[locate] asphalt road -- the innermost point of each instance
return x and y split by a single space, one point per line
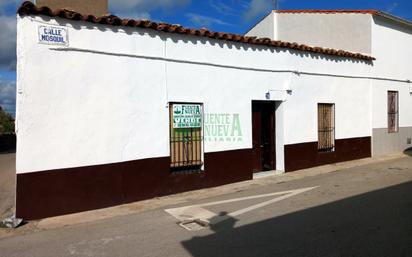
362 211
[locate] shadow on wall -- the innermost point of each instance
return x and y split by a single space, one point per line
201 40
377 223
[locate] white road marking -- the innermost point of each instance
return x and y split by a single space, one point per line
196 212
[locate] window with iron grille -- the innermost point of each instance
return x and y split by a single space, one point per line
186 137
326 127
393 111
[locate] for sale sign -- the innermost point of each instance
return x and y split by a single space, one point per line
187 116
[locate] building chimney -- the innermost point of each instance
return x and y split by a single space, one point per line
95 7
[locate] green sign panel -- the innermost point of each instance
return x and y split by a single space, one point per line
187 116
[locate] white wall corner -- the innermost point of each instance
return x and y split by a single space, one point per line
275 26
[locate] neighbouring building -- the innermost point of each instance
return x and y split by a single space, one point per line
111 110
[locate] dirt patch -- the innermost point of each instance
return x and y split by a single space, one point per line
7 184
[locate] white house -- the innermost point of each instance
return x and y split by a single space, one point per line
111 111
381 35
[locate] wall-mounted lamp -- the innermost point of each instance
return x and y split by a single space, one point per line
277 94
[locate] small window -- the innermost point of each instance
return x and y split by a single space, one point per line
186 140
326 127
393 112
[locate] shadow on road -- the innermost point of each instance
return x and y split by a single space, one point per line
377 223
216 224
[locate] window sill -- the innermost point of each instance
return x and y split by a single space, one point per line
186 170
326 151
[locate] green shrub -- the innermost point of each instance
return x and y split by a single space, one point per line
6 122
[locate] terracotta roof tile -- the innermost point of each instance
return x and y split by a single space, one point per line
28 8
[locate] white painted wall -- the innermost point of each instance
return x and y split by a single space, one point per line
391 45
265 28
352 108
104 99
346 31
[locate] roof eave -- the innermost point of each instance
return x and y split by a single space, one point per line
394 18
370 12
28 8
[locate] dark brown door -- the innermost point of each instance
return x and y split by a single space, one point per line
263 134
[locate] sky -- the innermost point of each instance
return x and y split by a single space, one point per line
235 16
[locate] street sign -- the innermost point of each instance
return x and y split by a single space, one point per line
52 35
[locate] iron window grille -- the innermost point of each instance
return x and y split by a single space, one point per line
186 146
326 127
393 111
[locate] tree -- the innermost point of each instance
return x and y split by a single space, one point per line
6 122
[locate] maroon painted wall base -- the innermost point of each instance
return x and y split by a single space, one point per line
306 155
57 192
